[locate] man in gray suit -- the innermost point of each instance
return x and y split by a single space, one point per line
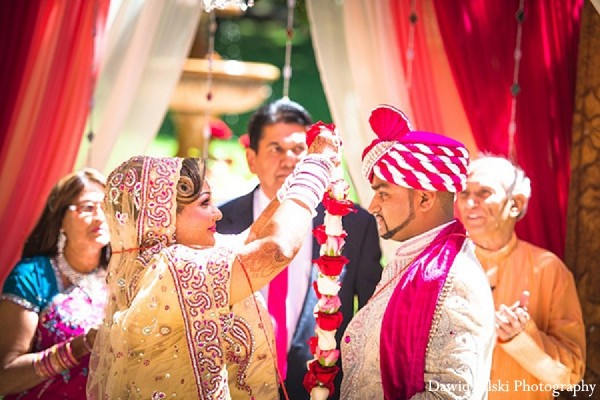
277 142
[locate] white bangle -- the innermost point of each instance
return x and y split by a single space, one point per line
321 159
318 159
308 182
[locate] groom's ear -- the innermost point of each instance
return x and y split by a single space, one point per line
425 199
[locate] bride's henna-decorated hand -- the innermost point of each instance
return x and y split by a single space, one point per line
328 143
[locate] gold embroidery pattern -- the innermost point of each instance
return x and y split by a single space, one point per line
240 350
203 276
448 284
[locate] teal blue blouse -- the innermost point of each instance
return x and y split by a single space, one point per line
31 284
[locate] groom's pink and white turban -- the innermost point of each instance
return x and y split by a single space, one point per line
413 159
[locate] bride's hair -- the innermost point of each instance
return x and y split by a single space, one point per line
190 182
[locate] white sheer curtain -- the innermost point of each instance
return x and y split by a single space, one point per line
343 32
147 44
358 72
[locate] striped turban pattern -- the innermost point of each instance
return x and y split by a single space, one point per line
413 159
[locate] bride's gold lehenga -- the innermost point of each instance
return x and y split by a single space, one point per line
169 331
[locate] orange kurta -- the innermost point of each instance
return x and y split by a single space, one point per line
551 350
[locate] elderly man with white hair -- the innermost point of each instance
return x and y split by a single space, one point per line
541 336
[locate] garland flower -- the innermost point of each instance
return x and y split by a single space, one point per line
322 369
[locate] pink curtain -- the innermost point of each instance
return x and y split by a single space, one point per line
47 77
479 37
434 100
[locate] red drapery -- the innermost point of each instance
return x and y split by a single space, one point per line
46 76
479 38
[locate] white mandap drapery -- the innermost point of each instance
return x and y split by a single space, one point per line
147 44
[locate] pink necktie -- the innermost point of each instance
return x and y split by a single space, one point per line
276 304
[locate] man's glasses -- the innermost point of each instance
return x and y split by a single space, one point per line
86 208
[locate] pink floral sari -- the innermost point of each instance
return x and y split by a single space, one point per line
69 314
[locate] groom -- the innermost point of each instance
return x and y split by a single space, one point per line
428 330
277 142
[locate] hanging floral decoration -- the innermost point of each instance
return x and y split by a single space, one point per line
322 369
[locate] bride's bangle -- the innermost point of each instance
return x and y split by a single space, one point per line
308 182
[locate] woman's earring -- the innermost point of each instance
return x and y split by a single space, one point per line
62 239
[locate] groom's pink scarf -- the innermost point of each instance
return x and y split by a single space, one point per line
408 317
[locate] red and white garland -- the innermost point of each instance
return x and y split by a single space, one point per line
322 369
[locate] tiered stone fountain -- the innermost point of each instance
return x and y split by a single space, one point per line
237 87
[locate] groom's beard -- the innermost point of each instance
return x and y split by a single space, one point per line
411 215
